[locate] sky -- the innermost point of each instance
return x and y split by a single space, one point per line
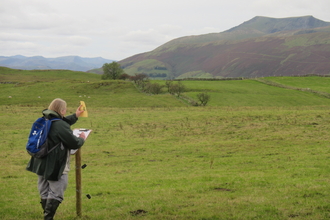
119 29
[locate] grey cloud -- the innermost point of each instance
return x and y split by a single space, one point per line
124 28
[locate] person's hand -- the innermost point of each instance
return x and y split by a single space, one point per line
82 135
79 110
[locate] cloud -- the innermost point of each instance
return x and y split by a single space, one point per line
18 48
116 30
35 15
79 40
149 36
290 8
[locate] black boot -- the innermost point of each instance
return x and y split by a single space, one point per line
43 203
50 209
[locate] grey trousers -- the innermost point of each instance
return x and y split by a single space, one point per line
52 189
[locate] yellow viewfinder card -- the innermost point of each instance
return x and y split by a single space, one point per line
83 107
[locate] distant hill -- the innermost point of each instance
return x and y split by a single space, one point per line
74 63
262 46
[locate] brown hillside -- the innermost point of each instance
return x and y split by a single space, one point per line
293 51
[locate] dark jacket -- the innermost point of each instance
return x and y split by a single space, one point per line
52 166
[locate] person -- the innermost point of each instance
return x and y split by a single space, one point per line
53 169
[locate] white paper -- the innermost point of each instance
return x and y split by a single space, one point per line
77 132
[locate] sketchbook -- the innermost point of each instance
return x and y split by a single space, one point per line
77 132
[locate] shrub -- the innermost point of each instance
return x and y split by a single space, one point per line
140 80
154 88
124 76
176 88
203 98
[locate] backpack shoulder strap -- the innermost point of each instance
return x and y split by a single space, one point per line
55 119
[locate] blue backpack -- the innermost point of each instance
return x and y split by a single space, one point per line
37 145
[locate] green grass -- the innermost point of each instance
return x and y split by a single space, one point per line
302 40
253 93
231 160
195 74
177 163
312 82
99 93
13 75
148 67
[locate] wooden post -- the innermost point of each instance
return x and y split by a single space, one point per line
78 182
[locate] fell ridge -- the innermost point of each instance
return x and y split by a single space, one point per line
259 47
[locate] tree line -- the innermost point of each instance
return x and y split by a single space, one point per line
114 71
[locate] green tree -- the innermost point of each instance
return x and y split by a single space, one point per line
176 88
168 85
154 88
112 70
140 80
203 98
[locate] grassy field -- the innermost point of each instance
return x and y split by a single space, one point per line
256 152
253 93
312 82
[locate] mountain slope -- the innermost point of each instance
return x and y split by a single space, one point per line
256 27
74 63
261 46
271 25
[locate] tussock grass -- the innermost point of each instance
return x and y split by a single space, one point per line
218 163
230 161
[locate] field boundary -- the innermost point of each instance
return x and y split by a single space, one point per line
272 83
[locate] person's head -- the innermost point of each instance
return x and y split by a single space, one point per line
58 105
